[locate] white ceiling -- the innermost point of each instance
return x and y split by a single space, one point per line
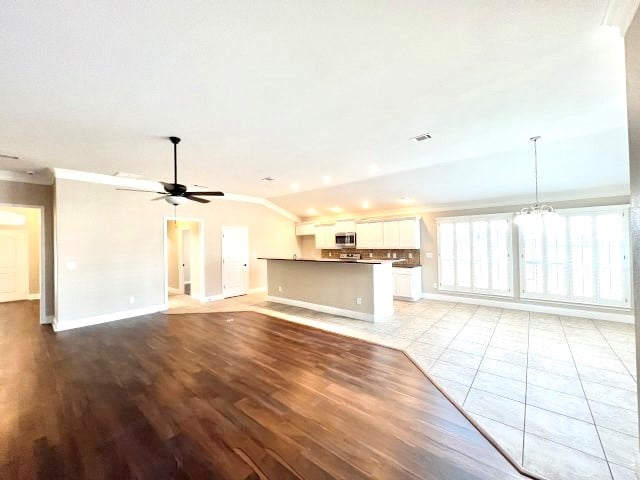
301 90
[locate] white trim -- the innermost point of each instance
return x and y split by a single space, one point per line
41 177
33 296
620 14
212 298
530 307
108 317
80 176
368 317
174 291
256 290
49 319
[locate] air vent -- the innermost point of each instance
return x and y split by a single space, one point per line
420 138
268 179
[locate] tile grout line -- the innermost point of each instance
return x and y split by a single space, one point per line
482 357
615 353
587 400
526 387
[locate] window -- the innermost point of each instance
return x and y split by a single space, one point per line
580 256
474 254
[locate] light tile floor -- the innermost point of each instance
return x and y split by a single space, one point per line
557 393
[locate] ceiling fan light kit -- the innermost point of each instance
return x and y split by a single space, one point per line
175 193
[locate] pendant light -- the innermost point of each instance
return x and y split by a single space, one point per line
535 212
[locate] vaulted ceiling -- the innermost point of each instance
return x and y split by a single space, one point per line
321 96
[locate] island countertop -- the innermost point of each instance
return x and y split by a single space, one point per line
372 261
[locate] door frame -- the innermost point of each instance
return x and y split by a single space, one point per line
43 281
165 222
222 227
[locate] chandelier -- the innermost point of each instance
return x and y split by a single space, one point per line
535 211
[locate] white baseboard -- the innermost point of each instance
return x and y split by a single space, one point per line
33 296
367 317
531 307
174 291
49 320
212 298
256 290
59 326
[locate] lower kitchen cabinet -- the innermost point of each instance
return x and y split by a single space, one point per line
407 283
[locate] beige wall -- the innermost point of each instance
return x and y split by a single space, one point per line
33 231
174 244
26 194
117 238
308 247
632 53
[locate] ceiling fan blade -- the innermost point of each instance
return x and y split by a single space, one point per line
196 199
208 194
159 198
134 190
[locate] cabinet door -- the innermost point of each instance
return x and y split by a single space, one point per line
330 236
345 226
362 235
391 234
320 232
376 235
409 233
403 286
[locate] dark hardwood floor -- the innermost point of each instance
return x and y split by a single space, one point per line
222 396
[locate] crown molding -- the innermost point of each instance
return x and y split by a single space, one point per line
41 177
123 182
620 13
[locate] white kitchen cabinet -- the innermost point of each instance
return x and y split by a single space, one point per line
325 236
409 233
391 234
376 235
345 226
363 237
407 283
305 229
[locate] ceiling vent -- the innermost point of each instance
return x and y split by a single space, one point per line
268 179
11 157
420 138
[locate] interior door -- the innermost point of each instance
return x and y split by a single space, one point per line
14 279
186 261
235 261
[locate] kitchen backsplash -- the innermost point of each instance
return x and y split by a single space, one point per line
378 254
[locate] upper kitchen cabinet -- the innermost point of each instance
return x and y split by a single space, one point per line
325 236
345 226
401 233
409 233
305 229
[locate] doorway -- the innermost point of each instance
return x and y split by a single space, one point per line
235 261
184 257
20 253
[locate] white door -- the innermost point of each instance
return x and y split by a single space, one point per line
186 262
235 261
14 268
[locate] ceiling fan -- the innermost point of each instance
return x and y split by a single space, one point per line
175 193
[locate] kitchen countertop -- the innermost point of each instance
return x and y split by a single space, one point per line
372 261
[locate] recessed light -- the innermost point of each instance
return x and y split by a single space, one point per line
268 179
421 137
366 204
327 180
312 211
336 209
295 186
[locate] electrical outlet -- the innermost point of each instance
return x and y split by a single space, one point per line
359 300
132 299
279 288
435 285
410 254
388 254
329 253
395 255
370 255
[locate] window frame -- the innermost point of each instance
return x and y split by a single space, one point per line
470 219
570 297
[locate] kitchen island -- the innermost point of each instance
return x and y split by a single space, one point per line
360 289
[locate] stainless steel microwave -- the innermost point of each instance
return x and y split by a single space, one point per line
346 239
